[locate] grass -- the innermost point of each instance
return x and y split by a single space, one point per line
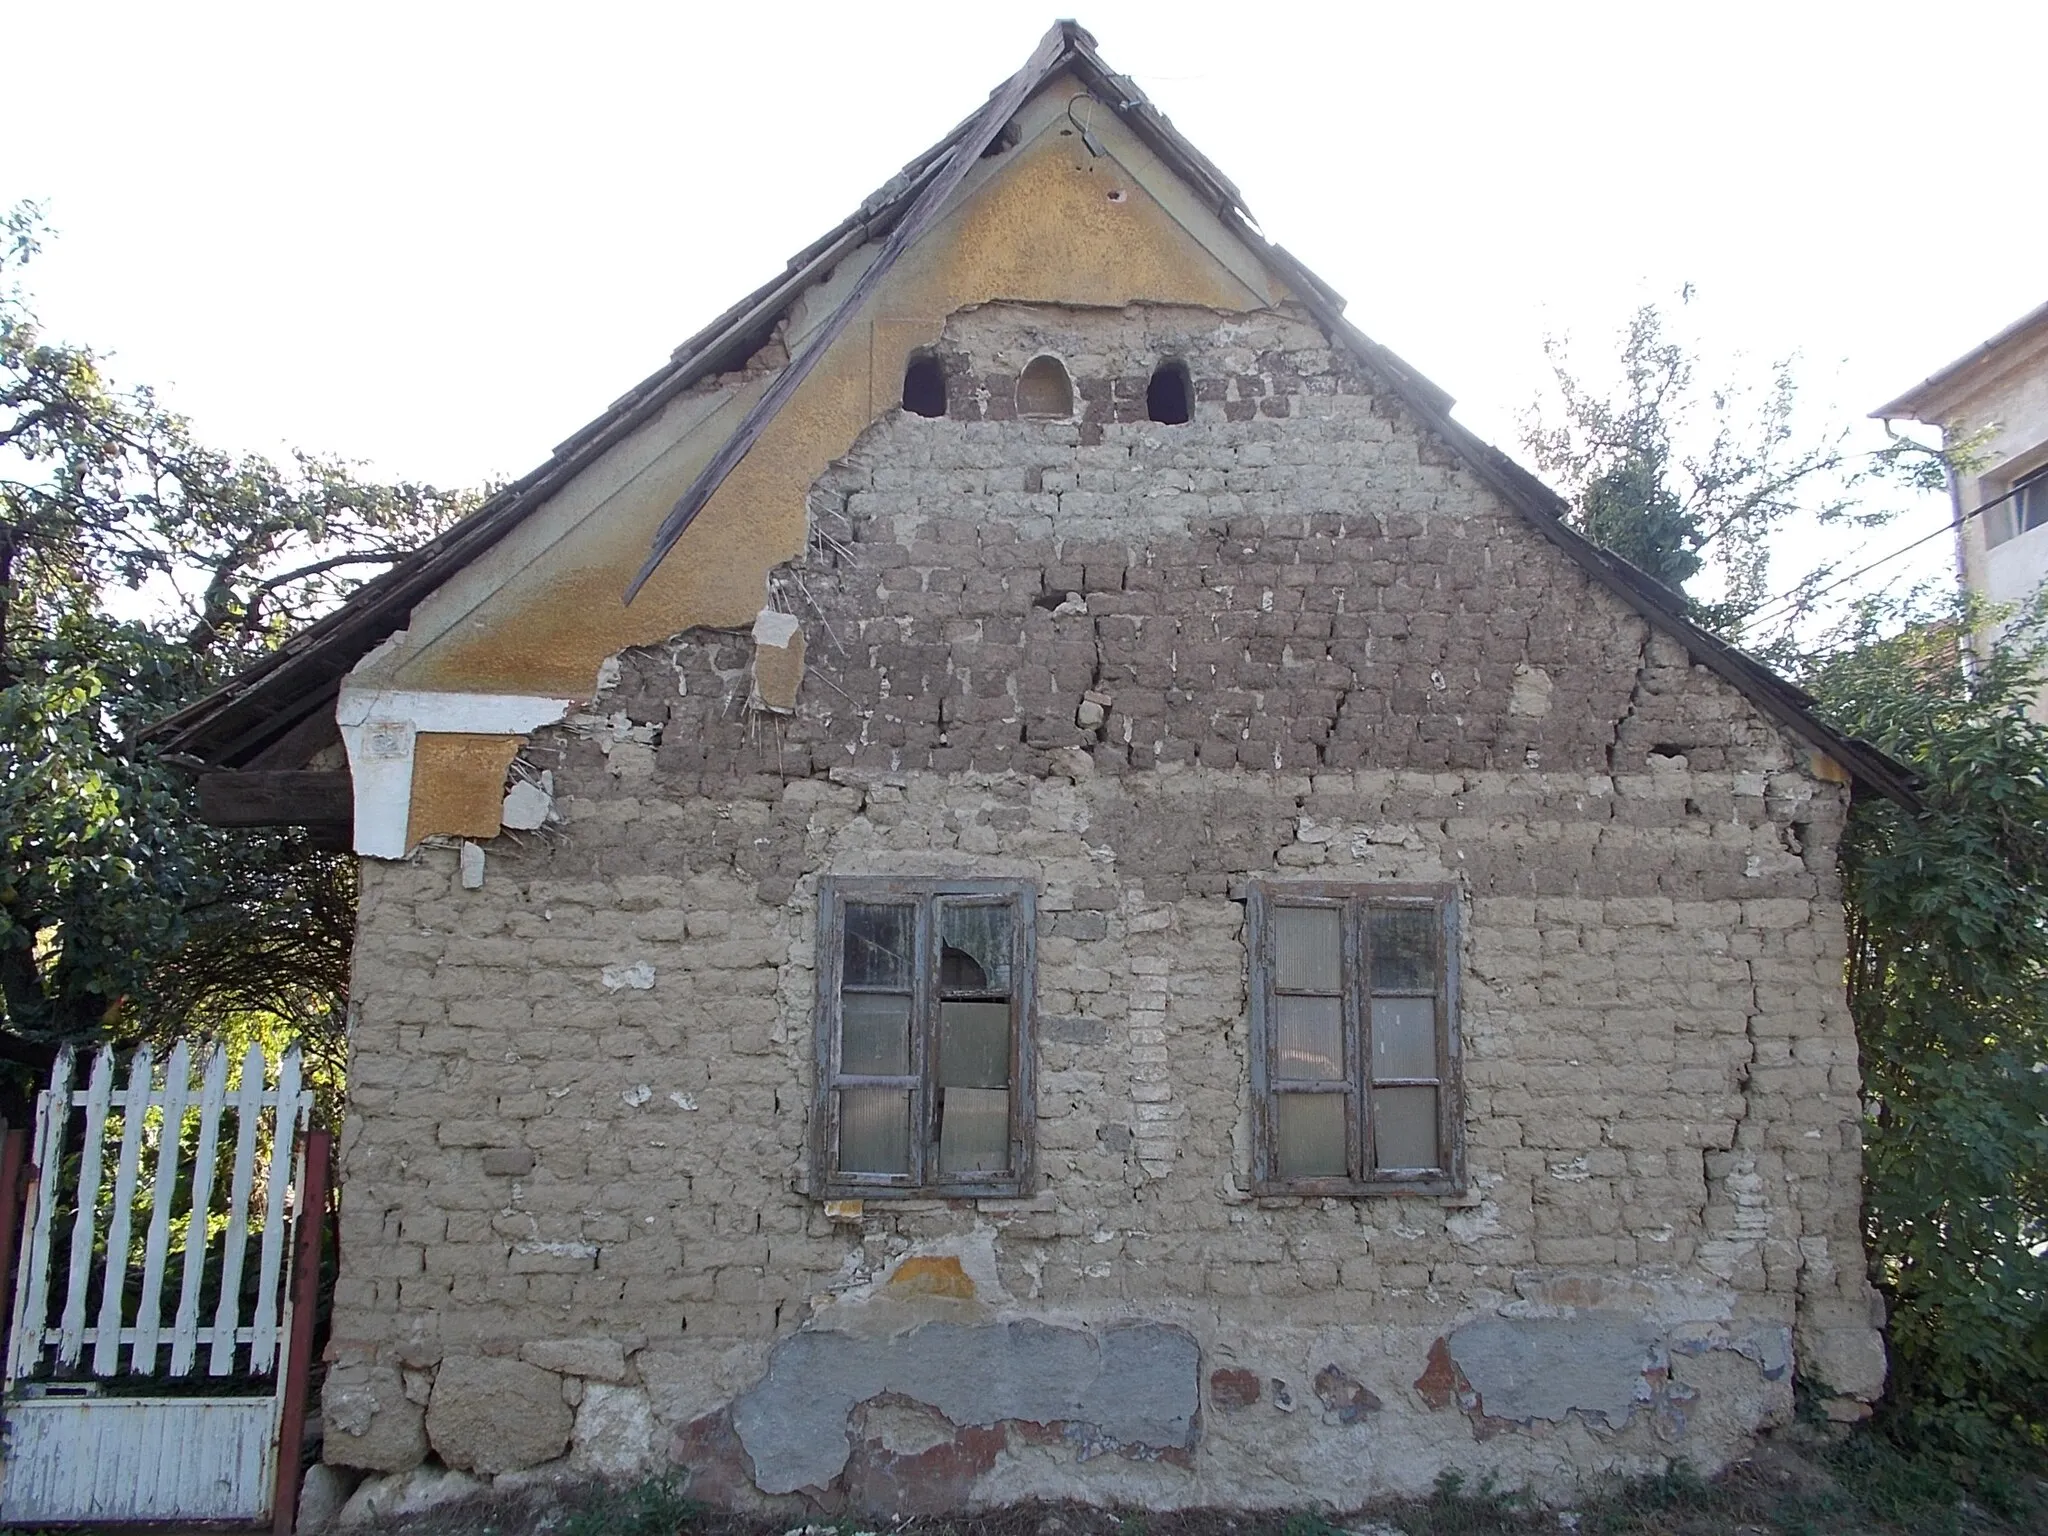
1802 1483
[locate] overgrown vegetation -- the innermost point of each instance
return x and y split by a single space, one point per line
139 568
1948 980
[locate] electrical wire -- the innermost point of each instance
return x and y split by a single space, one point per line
1793 597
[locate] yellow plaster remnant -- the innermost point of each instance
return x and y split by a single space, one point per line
778 661
932 1275
458 784
1827 770
1041 229
843 1210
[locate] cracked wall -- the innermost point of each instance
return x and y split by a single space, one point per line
1134 664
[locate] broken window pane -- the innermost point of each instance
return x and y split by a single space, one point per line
974 1131
1403 1037
1403 941
1308 948
1404 1127
879 946
874 1130
874 1039
1309 1135
974 1045
975 955
1309 1033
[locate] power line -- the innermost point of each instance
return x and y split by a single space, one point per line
1794 595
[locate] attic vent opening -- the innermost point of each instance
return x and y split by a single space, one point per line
1170 397
1044 391
924 386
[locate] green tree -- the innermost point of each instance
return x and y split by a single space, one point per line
1948 981
138 568
1681 477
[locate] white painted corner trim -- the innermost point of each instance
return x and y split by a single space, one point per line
379 727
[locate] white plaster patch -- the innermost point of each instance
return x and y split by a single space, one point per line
1531 692
560 1250
529 805
636 1095
639 976
774 628
472 859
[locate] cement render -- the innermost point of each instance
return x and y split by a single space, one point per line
1326 652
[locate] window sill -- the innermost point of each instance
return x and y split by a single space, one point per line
1447 1190
1008 1190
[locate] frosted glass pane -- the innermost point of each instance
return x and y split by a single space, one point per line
1309 1135
1308 948
1310 1037
1403 1037
879 945
974 1136
874 1130
1404 1127
874 1034
975 953
1403 941
974 1045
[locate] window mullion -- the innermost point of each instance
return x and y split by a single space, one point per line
924 983
1449 1108
1358 1038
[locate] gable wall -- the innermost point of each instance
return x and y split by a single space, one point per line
580 1093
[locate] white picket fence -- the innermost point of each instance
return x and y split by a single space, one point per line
181 1457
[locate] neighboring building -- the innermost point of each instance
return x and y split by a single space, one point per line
1996 400
1128 914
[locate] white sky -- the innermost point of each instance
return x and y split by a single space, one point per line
440 237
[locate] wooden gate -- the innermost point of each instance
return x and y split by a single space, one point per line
156 1339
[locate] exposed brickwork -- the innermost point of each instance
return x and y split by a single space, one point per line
1326 651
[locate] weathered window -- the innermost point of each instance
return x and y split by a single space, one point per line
924 385
1170 397
924 1036
1355 1054
1043 390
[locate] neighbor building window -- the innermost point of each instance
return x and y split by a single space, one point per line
924 1036
2022 509
1355 1054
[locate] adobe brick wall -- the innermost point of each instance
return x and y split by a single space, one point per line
580 1094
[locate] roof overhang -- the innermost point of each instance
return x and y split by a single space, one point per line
1933 397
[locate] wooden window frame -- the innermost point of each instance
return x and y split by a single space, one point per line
1355 899
923 1181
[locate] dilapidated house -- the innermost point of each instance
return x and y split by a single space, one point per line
1125 912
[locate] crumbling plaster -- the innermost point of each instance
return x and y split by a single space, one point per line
579 1091
1047 221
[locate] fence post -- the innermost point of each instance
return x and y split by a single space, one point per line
13 1197
309 1224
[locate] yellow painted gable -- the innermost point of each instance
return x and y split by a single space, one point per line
1047 222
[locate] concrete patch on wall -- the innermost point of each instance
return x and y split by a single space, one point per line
1130 1388
1525 1369
1606 1369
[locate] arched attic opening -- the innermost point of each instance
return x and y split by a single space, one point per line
1044 391
924 385
1170 397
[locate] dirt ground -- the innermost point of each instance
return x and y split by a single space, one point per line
1859 1487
